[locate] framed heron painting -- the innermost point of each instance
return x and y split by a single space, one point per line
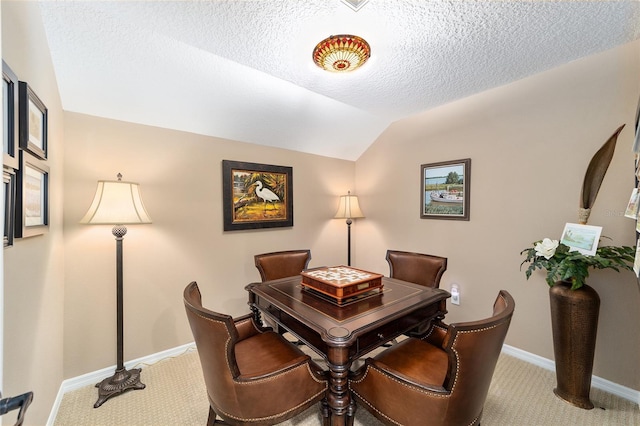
256 195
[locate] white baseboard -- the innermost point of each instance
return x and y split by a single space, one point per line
97 376
596 382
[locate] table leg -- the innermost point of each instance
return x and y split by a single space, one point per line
341 405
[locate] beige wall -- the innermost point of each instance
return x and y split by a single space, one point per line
33 275
181 181
529 143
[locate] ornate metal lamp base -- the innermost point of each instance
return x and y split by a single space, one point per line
120 382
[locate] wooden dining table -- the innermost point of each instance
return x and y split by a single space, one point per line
343 332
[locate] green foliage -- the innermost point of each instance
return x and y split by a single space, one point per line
574 266
453 177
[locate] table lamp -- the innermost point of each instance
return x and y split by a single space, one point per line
117 203
348 209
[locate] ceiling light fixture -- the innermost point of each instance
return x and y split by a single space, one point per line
341 53
355 4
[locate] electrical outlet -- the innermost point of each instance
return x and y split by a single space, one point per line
455 294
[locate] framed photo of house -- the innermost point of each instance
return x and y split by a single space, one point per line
33 120
32 197
9 117
582 238
444 190
256 196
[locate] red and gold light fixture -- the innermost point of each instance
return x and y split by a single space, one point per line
341 53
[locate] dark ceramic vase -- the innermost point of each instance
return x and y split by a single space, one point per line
574 322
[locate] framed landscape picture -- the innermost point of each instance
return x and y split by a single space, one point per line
444 190
256 195
32 197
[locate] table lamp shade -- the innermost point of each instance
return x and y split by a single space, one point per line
349 207
116 203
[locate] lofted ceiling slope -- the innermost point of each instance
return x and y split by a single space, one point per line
242 70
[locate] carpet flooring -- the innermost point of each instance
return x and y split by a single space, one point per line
520 394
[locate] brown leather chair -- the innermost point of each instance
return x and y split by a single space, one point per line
281 264
442 379
253 376
418 268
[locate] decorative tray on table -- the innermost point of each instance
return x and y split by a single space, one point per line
341 282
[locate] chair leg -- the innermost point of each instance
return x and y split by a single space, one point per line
326 413
390 343
212 420
212 417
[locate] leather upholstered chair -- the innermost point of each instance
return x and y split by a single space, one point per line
253 376
442 379
418 268
281 264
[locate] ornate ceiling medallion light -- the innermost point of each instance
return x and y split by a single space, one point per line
341 53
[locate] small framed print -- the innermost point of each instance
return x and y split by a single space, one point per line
444 190
632 208
33 122
256 195
582 238
32 197
636 261
9 192
9 116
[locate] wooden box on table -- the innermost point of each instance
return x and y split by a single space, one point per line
341 282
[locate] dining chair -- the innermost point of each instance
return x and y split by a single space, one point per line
252 375
442 379
282 264
418 268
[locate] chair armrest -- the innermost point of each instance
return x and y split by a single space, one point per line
246 327
437 334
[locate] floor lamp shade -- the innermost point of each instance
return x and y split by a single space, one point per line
116 202
349 209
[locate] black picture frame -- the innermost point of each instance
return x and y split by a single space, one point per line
9 193
33 120
9 117
256 196
32 197
445 190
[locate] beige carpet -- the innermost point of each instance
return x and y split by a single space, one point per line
520 394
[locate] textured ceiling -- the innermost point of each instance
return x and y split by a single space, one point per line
242 70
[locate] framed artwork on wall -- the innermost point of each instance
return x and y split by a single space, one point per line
9 193
256 195
33 122
32 197
444 190
9 116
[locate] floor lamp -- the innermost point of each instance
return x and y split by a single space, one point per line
117 203
348 209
